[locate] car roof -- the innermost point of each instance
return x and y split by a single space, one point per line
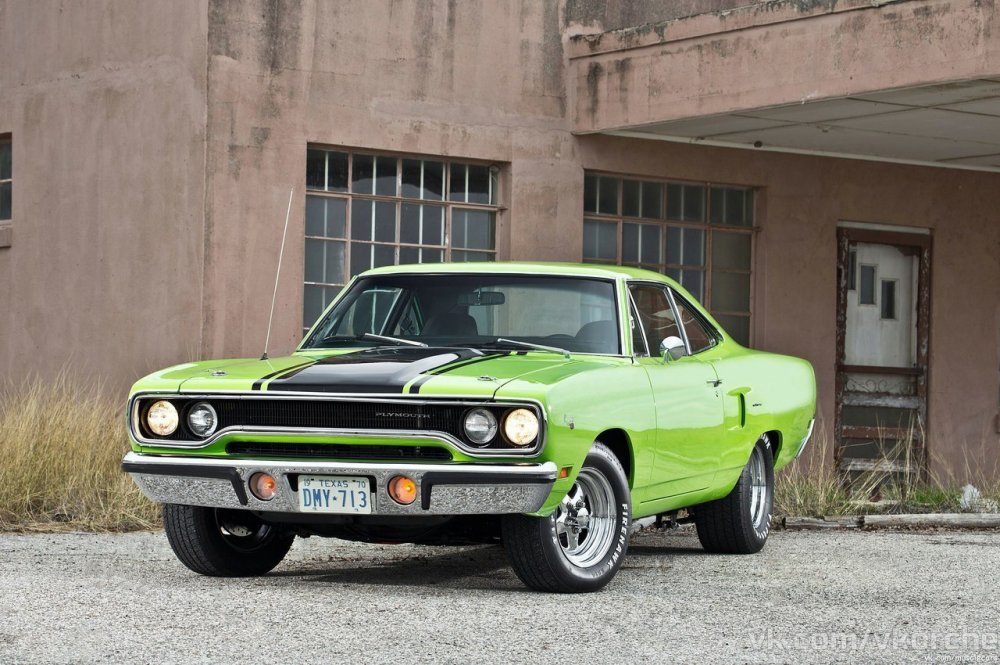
530 267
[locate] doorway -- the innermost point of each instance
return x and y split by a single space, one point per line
883 317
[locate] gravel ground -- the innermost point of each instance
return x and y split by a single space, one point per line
808 597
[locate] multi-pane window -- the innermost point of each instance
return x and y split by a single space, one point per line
698 234
6 179
368 210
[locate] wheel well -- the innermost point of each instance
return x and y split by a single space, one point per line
618 442
775 437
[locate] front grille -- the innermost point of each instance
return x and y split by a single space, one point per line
350 416
337 451
324 414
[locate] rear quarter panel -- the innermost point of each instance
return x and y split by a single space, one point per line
779 394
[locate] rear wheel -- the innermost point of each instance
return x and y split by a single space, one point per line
739 523
224 543
581 545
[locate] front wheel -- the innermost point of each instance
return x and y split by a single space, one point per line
581 545
224 543
740 522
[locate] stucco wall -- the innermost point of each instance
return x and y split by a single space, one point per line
155 145
795 297
476 80
485 81
771 53
105 102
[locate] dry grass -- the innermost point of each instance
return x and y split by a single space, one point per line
818 490
61 443
814 490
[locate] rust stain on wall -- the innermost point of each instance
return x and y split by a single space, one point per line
595 71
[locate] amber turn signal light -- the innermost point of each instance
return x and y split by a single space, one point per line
263 486
403 490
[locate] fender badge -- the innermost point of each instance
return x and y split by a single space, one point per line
486 377
217 372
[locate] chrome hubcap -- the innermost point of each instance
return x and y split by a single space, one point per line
758 488
585 519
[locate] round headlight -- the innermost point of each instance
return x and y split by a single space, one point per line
521 427
162 418
202 419
480 426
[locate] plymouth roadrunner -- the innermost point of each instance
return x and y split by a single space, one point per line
544 407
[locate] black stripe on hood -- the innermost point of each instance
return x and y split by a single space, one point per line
378 370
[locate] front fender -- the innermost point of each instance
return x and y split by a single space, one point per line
579 408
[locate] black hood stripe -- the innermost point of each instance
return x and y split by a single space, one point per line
444 369
374 370
267 377
415 386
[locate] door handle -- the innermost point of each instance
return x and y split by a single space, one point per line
714 382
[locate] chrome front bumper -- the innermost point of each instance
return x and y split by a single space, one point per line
442 489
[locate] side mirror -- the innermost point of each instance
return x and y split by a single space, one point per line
672 348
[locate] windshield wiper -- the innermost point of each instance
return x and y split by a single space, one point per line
532 345
390 340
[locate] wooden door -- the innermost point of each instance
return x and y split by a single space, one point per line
882 347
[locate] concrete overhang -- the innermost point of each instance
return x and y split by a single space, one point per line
913 81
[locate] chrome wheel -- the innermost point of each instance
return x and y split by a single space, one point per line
758 488
585 520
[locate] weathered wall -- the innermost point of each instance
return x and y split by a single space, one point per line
795 297
476 80
485 81
105 102
771 53
603 15
155 145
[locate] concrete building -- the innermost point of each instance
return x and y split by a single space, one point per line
823 174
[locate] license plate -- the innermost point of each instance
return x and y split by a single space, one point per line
335 494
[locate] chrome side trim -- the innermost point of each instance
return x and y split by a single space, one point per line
805 440
425 435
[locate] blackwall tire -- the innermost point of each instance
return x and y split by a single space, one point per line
740 522
579 547
224 543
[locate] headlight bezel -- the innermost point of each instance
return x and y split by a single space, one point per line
190 426
493 426
523 442
173 415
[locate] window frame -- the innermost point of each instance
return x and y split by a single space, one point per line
875 285
710 230
496 192
672 297
7 140
394 317
711 330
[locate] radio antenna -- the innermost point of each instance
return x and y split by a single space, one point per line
281 253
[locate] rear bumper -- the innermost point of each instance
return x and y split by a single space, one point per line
442 489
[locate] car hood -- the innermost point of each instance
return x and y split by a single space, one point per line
380 370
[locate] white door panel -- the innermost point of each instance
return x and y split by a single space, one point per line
881 308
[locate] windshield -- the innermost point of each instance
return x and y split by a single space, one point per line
571 313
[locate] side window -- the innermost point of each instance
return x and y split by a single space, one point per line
655 313
700 336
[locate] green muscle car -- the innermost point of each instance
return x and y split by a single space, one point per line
543 406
